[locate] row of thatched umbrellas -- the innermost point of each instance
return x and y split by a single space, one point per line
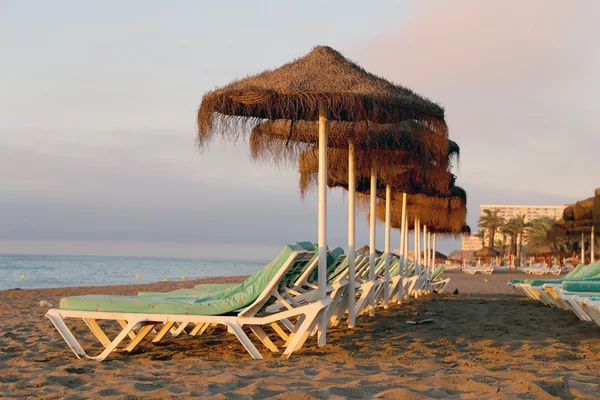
583 218
346 127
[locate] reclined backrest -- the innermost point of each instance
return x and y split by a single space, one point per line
437 271
276 278
589 272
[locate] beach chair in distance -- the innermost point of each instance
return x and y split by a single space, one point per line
137 325
486 269
437 283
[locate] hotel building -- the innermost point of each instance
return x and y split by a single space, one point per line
472 243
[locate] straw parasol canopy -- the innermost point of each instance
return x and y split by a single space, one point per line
284 140
445 215
366 249
438 256
487 252
542 250
295 90
580 217
405 174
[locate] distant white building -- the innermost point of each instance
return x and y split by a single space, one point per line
472 243
530 212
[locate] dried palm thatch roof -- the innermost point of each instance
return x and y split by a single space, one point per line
294 91
581 216
282 141
437 213
541 250
447 222
367 249
404 172
596 208
487 252
438 256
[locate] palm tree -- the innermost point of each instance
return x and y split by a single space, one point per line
518 228
491 220
506 233
481 235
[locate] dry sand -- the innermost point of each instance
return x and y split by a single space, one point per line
488 344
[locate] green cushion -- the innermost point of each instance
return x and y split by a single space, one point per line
575 271
538 282
588 272
220 290
332 256
198 290
437 271
582 286
188 306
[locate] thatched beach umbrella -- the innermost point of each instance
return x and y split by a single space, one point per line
320 86
410 144
486 252
410 176
583 217
444 215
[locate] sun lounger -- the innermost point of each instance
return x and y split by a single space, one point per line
482 269
543 289
256 306
437 283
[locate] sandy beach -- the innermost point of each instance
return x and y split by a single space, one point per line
488 343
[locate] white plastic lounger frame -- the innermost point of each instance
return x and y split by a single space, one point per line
307 317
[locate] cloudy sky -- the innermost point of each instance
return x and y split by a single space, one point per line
98 102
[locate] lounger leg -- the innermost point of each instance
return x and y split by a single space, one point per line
139 337
113 345
199 329
304 330
243 338
258 331
64 331
123 324
180 328
97 331
279 331
164 330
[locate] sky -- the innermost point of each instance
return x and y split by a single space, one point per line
98 104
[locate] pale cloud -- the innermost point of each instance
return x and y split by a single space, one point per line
98 148
518 80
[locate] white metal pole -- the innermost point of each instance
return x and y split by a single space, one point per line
434 246
417 252
592 255
388 217
582 249
403 251
429 259
322 236
351 236
425 255
372 254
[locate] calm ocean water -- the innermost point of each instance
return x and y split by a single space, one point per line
58 271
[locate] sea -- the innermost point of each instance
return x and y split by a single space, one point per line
49 271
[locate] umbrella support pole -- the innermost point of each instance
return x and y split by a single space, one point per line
403 251
322 217
592 255
388 217
372 252
434 246
582 249
406 266
351 236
